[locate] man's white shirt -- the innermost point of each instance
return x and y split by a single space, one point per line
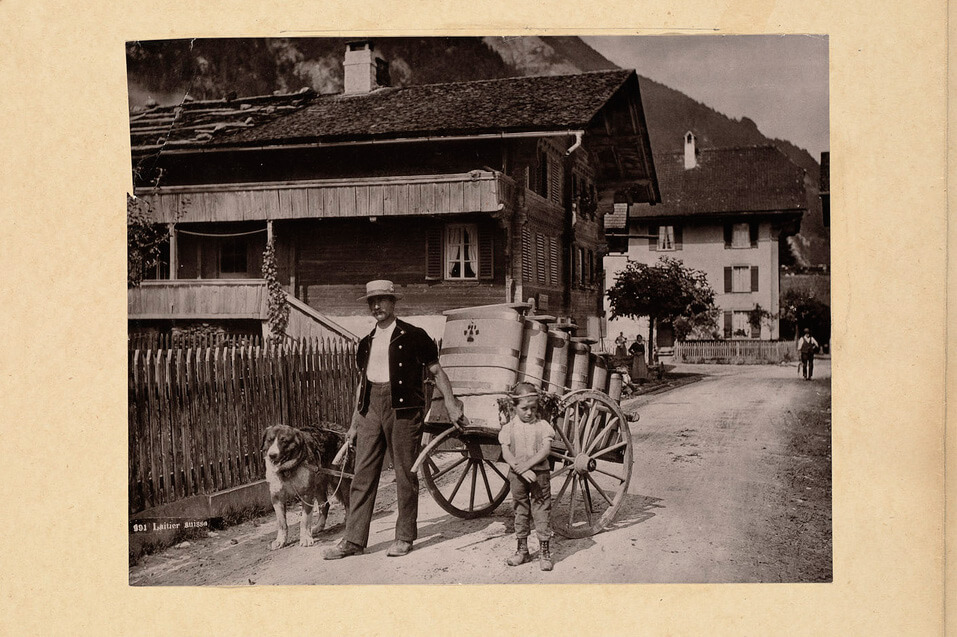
378 368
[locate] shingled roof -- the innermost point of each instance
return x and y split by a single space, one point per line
726 181
195 123
519 104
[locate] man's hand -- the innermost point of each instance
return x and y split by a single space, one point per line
455 409
353 430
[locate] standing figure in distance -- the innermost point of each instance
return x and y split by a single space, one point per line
807 346
526 441
388 418
639 368
620 341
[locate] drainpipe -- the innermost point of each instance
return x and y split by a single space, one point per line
577 144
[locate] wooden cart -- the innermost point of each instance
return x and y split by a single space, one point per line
591 456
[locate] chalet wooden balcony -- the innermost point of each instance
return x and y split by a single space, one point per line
475 191
198 299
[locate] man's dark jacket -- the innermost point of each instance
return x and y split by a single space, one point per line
411 352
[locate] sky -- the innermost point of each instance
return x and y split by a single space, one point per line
779 81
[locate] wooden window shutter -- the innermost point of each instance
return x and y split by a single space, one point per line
678 237
653 238
433 253
753 230
727 279
754 278
554 260
540 260
728 232
727 324
555 181
526 254
486 247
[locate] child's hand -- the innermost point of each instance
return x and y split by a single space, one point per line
528 476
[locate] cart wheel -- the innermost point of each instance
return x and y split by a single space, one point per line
592 454
464 473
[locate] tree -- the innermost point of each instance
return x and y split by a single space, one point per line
144 240
800 309
144 237
668 292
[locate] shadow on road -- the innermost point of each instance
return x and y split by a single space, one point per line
448 527
635 509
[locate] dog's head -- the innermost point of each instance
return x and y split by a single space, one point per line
282 443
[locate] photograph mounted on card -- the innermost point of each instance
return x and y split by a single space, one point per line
560 282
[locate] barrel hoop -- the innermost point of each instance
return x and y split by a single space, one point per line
499 351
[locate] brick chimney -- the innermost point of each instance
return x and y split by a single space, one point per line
691 153
364 70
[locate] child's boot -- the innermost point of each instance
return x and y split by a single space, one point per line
521 553
545 556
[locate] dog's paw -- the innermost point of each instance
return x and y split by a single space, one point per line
276 544
306 541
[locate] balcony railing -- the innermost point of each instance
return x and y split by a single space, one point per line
475 191
198 299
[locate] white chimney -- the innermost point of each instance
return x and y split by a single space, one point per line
364 71
691 159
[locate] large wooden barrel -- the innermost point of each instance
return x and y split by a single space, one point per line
556 361
531 365
599 373
580 363
481 347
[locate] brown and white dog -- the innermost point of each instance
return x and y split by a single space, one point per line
294 462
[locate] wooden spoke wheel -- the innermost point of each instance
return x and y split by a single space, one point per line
464 472
592 463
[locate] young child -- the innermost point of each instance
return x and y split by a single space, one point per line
526 441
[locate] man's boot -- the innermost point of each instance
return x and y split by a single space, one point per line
521 553
545 557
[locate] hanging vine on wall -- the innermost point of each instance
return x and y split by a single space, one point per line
277 310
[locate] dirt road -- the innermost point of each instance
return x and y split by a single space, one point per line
731 483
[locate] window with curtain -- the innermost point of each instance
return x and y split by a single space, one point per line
461 251
740 328
666 237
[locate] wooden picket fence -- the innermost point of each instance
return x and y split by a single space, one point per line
744 351
167 340
196 415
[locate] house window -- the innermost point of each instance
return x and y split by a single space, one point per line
542 181
232 257
666 237
740 328
741 278
461 252
740 237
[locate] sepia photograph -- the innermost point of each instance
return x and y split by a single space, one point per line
546 309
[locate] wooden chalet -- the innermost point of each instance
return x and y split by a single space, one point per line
463 193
